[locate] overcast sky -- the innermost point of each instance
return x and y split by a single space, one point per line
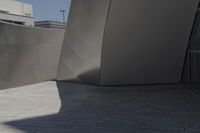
48 9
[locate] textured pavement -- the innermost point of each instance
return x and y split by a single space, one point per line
52 107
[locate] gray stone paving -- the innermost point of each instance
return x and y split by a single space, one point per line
52 107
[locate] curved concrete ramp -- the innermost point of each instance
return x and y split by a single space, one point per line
115 42
28 55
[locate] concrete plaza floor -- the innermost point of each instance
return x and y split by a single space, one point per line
52 107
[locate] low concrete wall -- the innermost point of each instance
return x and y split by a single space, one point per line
28 55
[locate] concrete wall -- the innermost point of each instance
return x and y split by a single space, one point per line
28 55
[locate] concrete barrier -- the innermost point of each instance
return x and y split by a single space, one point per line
28 55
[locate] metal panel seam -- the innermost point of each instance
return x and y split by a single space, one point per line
188 45
106 23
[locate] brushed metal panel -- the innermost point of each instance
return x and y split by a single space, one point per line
28 55
81 52
145 41
191 76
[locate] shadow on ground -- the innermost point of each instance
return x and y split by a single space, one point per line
143 109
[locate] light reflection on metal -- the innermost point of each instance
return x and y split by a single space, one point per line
116 42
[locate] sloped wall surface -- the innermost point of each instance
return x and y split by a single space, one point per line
191 76
81 52
146 40
126 42
28 55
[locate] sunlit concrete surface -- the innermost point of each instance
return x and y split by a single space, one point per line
52 107
27 102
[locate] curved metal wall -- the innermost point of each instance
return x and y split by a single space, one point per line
145 41
81 52
126 42
28 55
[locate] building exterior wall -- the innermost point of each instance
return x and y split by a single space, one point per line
81 53
191 76
28 21
106 43
126 42
145 41
16 7
50 24
16 11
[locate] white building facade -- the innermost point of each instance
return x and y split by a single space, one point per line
16 12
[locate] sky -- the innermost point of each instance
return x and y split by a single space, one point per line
49 9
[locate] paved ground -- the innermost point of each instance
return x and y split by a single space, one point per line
68 108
